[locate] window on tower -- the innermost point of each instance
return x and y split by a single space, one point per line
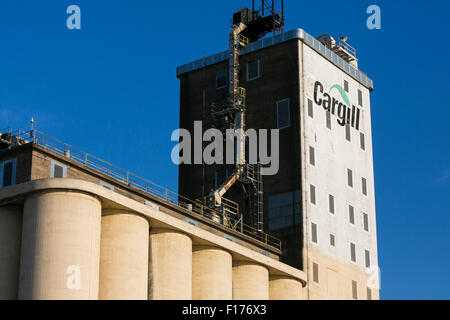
314 232
283 114
284 210
331 203
8 173
363 141
253 70
350 178
360 99
348 134
312 190
58 170
315 272
310 109
351 214
312 156
364 186
328 116
353 252
221 79
354 289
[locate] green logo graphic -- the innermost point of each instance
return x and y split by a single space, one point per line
342 93
346 113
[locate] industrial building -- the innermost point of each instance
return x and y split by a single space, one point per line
73 226
321 203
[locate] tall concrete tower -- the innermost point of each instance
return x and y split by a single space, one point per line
321 203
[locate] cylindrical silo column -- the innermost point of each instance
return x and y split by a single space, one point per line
170 265
10 238
123 256
250 281
60 246
285 288
211 273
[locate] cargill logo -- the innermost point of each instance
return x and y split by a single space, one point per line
344 110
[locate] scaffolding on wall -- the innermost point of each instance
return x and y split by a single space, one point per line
248 26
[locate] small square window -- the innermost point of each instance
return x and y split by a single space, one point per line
350 178
106 185
351 214
283 114
363 141
314 232
332 240
331 203
8 173
253 70
57 170
312 190
348 134
328 116
312 156
353 252
364 186
367 256
354 289
346 85
360 102
366 222
310 109
221 79
315 272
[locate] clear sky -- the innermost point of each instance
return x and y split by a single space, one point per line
111 90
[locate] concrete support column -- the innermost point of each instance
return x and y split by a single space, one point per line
10 238
123 256
211 274
60 246
250 281
170 265
285 288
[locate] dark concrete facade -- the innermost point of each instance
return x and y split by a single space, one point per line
279 79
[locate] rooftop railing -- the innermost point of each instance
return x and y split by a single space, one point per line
19 137
346 47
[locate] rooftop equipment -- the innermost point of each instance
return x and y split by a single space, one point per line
341 48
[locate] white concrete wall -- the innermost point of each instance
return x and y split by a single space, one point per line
333 155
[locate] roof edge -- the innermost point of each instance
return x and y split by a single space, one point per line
299 34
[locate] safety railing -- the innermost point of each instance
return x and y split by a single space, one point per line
134 181
346 47
243 41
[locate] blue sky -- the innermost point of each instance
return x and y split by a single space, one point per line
110 89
